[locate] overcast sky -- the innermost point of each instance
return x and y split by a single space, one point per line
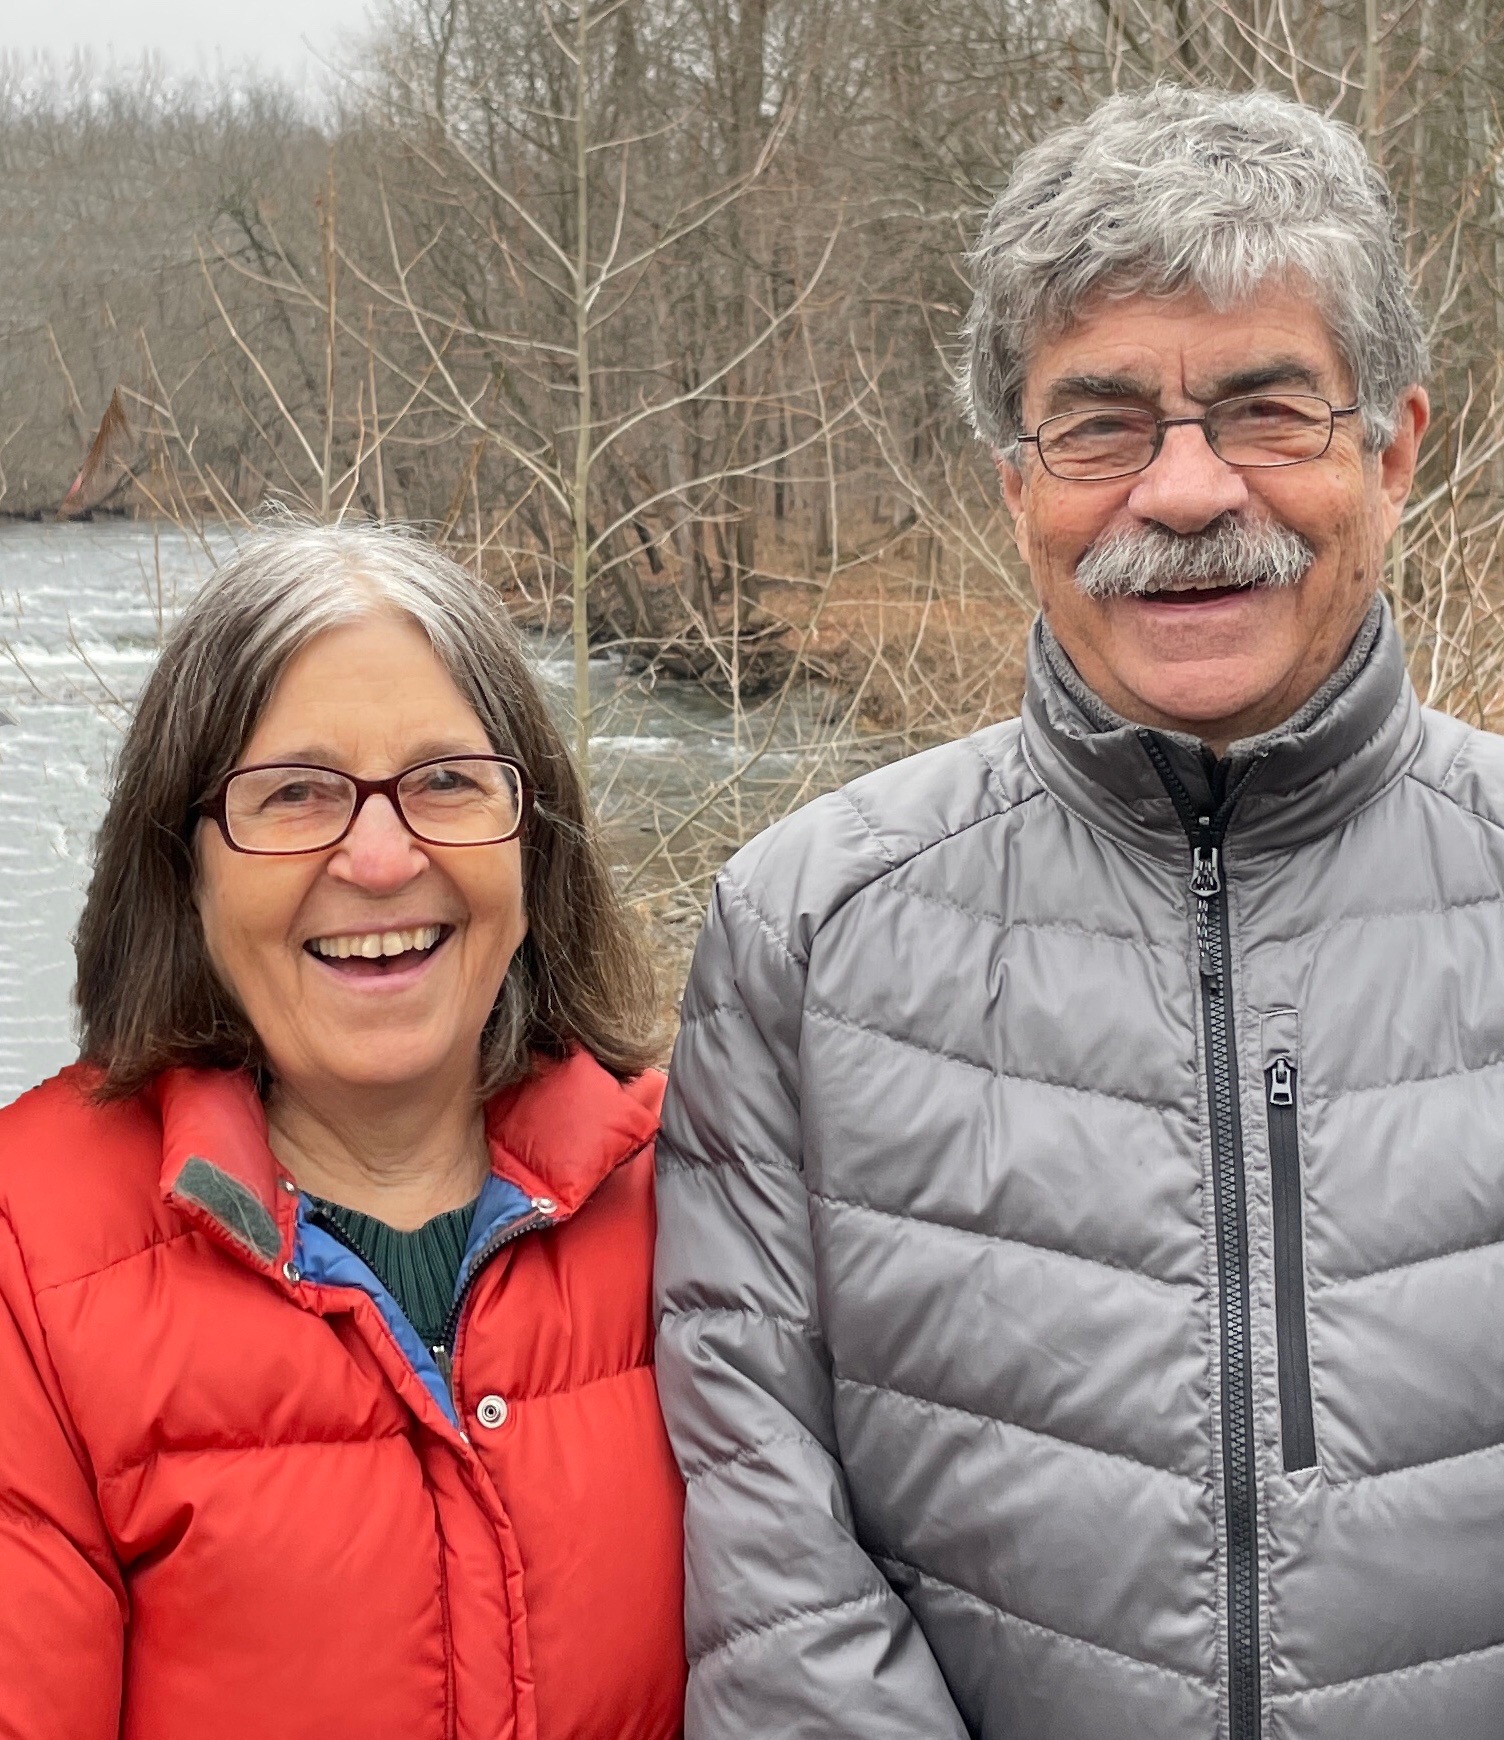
283 36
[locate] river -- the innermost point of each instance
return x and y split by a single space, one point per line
82 611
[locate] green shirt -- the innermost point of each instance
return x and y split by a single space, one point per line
419 1268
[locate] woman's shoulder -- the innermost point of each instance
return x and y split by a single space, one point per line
576 1093
570 1124
80 1176
647 1090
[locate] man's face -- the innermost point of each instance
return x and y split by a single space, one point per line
1219 664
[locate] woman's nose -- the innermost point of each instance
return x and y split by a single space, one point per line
378 853
1187 486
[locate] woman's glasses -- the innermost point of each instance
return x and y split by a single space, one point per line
286 807
1254 429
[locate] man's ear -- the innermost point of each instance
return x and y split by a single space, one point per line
1398 460
1012 480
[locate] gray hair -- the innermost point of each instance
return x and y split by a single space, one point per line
1172 189
1229 552
148 996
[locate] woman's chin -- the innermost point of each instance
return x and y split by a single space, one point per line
381 1061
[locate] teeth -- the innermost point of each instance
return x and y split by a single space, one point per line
373 944
1207 583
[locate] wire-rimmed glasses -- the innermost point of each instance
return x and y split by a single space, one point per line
285 807
1252 429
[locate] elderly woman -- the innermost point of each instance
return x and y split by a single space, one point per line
326 1388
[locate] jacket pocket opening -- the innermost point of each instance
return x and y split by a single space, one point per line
1296 1412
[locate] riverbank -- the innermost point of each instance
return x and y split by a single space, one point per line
679 776
881 660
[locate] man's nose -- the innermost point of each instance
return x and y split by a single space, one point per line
378 853
1187 486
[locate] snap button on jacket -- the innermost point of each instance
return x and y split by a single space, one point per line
231 1506
1080 1236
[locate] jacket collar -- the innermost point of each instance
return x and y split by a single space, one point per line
1349 742
217 1169
571 1123
557 1134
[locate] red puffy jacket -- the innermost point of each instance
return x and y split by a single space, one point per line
233 1504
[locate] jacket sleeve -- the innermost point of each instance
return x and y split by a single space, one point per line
792 1630
62 1602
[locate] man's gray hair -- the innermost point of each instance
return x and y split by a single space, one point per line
1172 189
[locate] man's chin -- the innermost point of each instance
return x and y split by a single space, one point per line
1205 698
1196 662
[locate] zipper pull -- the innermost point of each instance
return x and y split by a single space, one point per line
445 1363
1281 1083
1206 883
1206 872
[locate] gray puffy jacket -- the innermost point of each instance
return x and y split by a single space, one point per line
1081 1203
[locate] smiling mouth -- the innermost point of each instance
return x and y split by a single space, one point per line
1197 591
378 953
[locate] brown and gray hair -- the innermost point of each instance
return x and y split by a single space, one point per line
148 997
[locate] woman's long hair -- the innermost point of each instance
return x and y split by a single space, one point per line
147 994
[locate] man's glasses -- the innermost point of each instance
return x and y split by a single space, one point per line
1254 429
287 807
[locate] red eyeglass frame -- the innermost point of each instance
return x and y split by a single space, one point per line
211 807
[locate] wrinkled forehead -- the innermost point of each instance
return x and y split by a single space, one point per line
1179 346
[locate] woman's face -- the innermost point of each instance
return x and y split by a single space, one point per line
370 698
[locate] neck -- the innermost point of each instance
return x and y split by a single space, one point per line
401 1158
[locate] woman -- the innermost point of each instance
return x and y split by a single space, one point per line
326 1389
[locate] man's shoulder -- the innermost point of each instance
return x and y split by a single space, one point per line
812 861
1464 764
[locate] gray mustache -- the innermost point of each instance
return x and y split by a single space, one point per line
1231 552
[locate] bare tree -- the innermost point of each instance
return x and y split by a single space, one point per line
648 309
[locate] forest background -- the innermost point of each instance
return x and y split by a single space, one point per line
649 312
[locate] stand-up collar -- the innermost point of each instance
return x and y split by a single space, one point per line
1354 737
554 1136
568 1125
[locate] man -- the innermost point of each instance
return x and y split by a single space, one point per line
1083 1176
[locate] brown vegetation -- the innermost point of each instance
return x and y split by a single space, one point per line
649 311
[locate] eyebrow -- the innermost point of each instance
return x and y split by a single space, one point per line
1278 372
321 755
1070 390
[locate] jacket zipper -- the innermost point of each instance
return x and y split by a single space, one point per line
545 1213
446 1614
1296 1417
1206 833
443 1349
443 1355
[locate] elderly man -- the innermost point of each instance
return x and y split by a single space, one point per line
1083 1185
